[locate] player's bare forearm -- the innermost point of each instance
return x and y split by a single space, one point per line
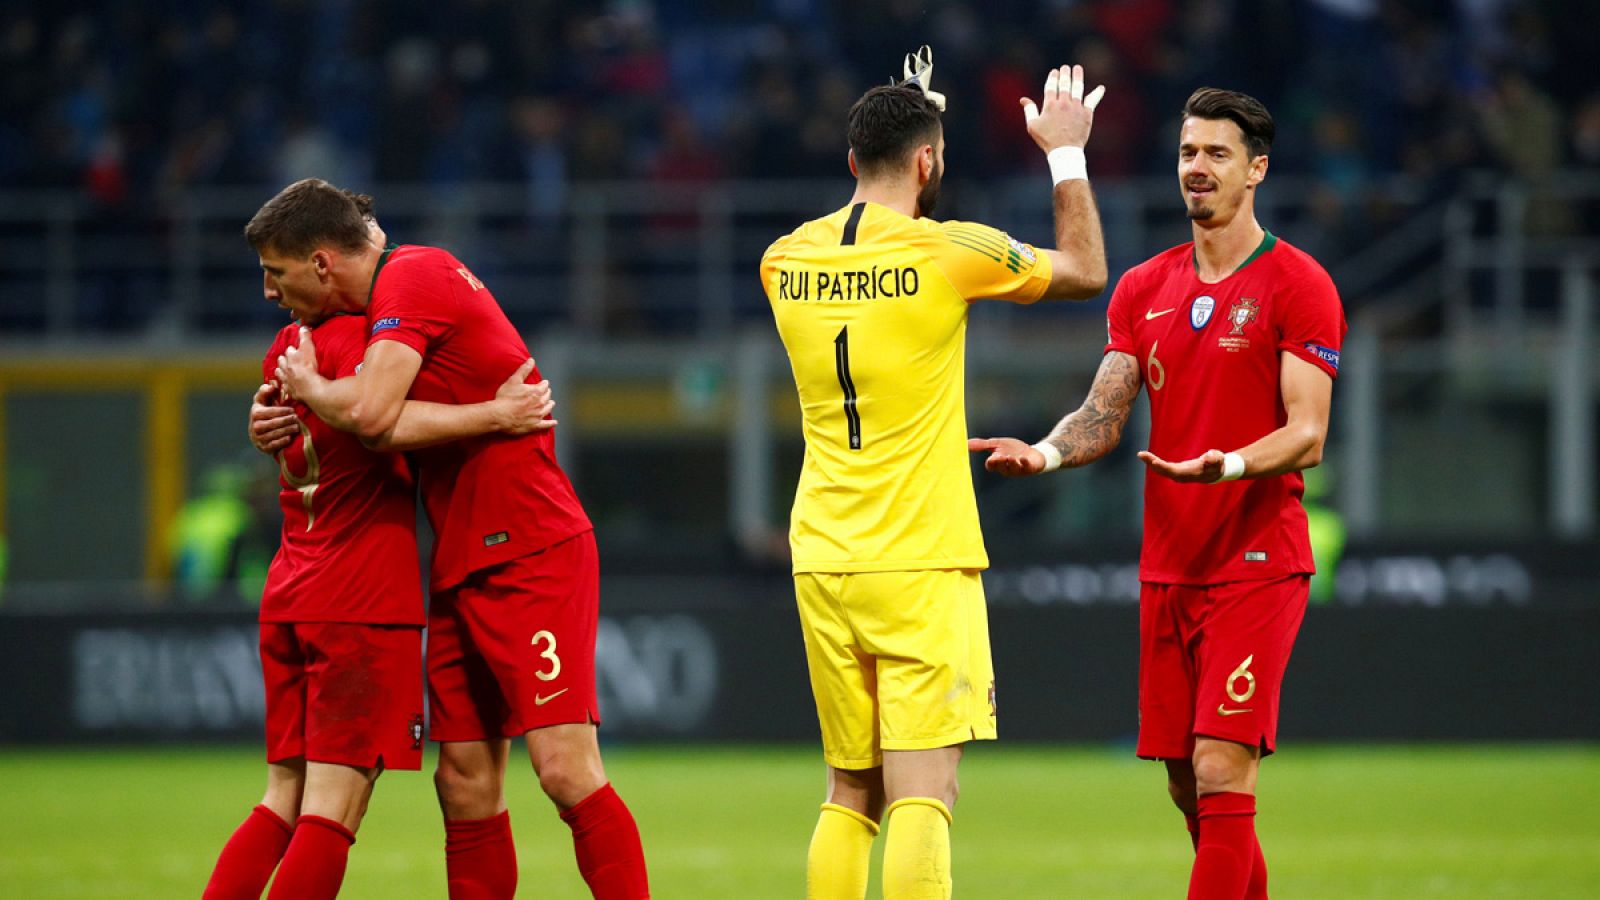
1307 396
1095 428
517 408
367 404
1080 265
335 402
426 424
1307 393
1084 436
1293 447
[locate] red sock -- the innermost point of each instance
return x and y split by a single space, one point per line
1226 853
480 858
249 857
1257 889
313 868
606 840
1193 824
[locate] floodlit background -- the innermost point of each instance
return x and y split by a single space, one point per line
613 170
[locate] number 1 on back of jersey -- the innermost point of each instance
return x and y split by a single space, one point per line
841 358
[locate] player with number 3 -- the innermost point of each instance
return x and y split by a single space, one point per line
514 580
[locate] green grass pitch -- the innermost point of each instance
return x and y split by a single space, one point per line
1338 822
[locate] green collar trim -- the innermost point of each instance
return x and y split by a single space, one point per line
393 247
1268 241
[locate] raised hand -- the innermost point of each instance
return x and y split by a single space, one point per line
1205 468
1064 115
523 407
1008 456
271 427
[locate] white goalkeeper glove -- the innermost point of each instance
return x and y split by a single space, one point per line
918 68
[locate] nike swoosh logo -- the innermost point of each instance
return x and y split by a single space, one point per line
1224 711
1152 314
540 701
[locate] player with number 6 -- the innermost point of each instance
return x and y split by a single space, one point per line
1236 338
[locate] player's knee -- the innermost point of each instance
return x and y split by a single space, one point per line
946 792
568 778
465 791
1215 773
567 762
861 790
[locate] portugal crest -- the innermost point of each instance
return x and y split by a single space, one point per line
1242 313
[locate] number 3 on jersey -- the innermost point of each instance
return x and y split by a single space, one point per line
841 358
305 483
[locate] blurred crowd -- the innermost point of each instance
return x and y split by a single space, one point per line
129 102
123 98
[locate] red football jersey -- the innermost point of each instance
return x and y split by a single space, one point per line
491 498
349 546
1210 358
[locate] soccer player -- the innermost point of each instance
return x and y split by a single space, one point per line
515 576
1236 337
871 302
341 614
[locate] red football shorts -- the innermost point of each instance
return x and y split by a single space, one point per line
343 693
511 648
1211 662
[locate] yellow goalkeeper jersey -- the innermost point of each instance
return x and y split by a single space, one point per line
872 308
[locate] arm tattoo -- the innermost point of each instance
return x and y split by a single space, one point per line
1095 428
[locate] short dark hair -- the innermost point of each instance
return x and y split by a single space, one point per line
1242 109
363 203
889 122
306 215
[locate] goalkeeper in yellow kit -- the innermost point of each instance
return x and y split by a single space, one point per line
871 303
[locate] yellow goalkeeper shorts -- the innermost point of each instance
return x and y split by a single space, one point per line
898 660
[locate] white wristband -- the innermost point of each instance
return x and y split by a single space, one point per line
1067 164
1052 456
1232 467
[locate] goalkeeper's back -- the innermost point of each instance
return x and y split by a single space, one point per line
871 305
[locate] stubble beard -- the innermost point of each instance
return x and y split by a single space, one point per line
928 197
1204 208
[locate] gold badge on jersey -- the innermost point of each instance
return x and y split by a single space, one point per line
1242 313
